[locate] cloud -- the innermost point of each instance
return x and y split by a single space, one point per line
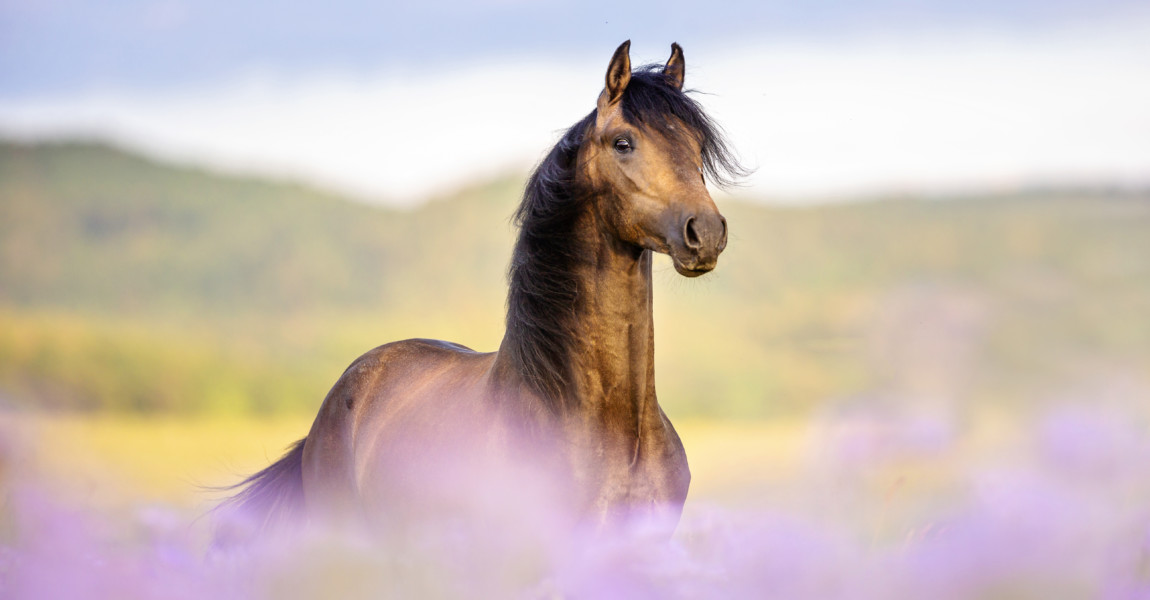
940 112
863 115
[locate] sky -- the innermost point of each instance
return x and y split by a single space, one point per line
392 102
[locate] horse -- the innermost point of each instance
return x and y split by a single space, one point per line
418 426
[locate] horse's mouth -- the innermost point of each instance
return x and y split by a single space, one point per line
694 269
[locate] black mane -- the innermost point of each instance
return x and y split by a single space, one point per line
649 101
544 291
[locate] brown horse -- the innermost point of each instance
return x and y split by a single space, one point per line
566 409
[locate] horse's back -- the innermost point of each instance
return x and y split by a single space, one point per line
406 399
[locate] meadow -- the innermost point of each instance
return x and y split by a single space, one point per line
897 397
858 506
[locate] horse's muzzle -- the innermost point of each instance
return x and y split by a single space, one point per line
702 238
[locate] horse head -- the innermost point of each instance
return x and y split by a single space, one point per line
645 155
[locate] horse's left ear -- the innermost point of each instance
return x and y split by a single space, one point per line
673 70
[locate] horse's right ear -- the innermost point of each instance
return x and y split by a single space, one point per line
618 76
673 70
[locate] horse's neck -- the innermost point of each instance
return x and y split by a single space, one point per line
609 406
607 373
613 356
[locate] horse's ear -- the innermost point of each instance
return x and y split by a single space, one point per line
673 70
618 75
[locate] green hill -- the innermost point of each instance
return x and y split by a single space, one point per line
89 227
131 285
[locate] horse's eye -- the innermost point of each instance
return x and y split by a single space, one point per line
623 145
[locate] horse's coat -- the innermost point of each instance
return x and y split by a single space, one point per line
564 414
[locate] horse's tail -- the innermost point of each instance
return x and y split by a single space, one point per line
269 499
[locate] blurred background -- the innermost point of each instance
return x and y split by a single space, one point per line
935 304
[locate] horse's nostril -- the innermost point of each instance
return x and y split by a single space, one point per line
690 236
723 221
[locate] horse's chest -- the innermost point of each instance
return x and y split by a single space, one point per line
622 476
